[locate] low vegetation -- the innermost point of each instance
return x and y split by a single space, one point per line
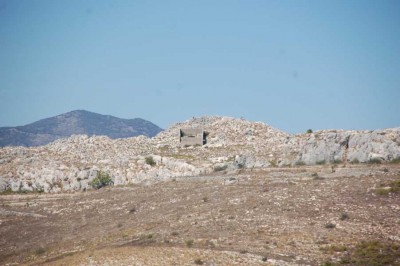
198 262
331 249
102 179
40 251
367 253
337 161
374 161
344 216
392 187
189 243
300 163
8 191
220 168
150 160
395 161
330 225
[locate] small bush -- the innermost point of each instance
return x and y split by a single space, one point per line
382 191
40 251
174 233
264 258
394 161
198 262
395 186
330 225
355 161
150 160
392 187
300 163
328 263
309 131
337 161
344 216
102 179
374 253
8 191
317 177
220 168
133 210
374 161
189 243
333 249
322 162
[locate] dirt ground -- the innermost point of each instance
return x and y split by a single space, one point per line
252 217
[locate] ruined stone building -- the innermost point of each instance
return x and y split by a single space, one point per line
192 136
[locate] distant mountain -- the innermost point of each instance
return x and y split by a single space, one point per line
76 122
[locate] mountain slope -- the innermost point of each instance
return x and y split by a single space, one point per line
75 122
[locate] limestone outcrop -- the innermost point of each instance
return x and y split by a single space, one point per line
339 146
71 164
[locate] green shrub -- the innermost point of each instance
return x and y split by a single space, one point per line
309 131
333 249
8 191
150 160
374 161
382 191
300 163
396 160
220 168
337 161
344 216
373 253
392 187
330 225
198 262
40 251
102 179
189 243
385 170
355 161
395 186
322 162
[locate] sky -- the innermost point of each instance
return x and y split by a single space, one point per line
294 65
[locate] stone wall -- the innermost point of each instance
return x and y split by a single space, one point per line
191 136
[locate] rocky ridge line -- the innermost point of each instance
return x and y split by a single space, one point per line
70 164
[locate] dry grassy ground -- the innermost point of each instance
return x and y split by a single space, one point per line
294 216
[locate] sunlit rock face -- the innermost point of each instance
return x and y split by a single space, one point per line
71 164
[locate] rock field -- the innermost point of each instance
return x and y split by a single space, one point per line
232 144
252 195
295 216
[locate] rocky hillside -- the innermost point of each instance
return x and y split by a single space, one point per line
232 144
73 123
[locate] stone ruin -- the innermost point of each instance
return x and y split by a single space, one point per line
192 137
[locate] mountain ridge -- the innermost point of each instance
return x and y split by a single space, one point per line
77 122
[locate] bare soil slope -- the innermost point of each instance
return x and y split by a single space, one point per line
292 216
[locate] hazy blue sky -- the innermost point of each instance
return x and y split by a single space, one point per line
291 64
